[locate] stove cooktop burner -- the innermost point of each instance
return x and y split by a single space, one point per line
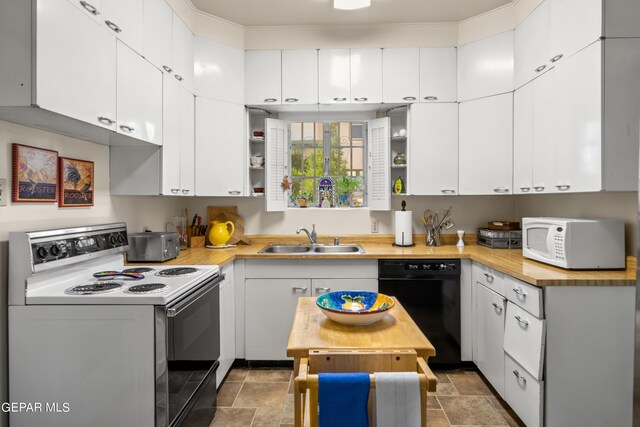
95 288
140 270
147 288
177 272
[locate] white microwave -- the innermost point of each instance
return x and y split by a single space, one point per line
574 243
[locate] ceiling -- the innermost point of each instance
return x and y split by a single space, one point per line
321 12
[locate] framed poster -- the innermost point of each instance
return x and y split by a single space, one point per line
76 182
34 175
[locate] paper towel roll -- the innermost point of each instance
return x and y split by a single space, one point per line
404 233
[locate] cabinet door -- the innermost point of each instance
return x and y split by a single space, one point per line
158 34
486 137
182 52
490 313
400 75
322 286
139 95
366 76
438 71
334 76
485 67
171 138
263 77
92 8
434 132
544 142
567 33
227 324
378 168
277 164
523 139
219 71
300 76
532 45
83 85
220 148
187 116
578 125
270 308
126 20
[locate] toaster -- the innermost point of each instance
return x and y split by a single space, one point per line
153 246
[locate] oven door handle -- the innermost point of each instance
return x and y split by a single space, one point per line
175 309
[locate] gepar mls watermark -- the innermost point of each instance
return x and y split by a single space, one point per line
48 407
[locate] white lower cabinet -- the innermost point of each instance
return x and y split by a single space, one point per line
490 311
523 393
524 339
227 323
322 286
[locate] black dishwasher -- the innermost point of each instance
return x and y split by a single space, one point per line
430 292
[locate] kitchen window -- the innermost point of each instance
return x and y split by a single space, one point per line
328 149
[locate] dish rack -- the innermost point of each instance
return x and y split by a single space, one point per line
499 239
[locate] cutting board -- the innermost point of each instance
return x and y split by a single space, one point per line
228 213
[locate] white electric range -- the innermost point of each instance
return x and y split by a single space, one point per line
114 345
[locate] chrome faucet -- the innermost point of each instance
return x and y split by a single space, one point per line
313 238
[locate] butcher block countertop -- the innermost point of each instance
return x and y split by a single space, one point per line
508 261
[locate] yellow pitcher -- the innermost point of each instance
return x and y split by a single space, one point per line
219 234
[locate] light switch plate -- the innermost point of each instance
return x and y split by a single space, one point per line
4 192
374 225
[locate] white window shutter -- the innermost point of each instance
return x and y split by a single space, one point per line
277 164
378 182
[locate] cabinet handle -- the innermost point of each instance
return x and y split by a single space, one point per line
489 277
564 187
501 190
185 191
167 69
538 188
324 290
445 191
299 289
497 307
525 189
361 99
270 100
430 98
540 68
520 378
234 192
91 8
291 100
178 77
409 98
523 322
126 128
557 58
106 120
113 26
339 99
175 190
520 291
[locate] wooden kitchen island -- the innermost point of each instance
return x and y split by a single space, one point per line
311 329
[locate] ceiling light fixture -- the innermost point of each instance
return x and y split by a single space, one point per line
351 4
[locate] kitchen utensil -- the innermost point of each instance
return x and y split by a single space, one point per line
116 274
256 160
219 234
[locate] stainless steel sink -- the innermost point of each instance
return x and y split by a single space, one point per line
309 249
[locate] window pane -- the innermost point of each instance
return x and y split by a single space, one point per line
309 158
345 134
357 134
357 160
308 133
296 132
319 134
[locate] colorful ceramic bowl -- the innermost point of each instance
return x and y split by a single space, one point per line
355 307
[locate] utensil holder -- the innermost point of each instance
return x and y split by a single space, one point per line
195 241
433 236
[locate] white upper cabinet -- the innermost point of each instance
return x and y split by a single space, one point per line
486 142
263 77
532 45
400 75
182 53
93 8
438 82
334 74
485 67
158 34
220 148
139 97
366 76
126 20
300 76
523 140
219 71
574 24
76 76
433 133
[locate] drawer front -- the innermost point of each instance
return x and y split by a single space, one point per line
525 295
524 336
523 393
488 277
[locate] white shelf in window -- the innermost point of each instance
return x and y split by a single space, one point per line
398 138
256 167
256 140
257 194
398 166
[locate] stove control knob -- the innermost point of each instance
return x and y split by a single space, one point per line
120 238
42 252
55 250
113 239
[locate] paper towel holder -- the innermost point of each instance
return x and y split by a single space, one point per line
404 206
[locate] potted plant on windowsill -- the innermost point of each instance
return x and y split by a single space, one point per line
346 186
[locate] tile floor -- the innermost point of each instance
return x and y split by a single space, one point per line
263 397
